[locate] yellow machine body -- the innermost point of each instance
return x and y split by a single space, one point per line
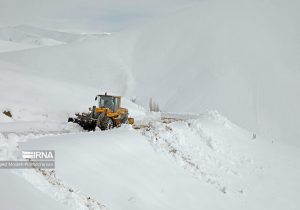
106 115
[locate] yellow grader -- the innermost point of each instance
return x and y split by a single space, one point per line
107 115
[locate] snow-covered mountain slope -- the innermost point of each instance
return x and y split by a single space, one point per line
34 98
94 16
91 63
39 37
238 57
183 164
207 162
6 46
40 106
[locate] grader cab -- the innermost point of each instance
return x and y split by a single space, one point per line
107 115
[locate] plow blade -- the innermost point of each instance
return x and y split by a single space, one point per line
86 124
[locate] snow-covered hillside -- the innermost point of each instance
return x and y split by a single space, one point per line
240 58
206 162
6 46
41 37
30 97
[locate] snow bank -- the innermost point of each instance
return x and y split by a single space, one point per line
121 169
235 162
182 164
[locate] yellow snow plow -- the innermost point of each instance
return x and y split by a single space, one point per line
107 115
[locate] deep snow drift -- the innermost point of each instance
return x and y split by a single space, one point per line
206 162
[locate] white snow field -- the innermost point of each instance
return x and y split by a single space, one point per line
202 163
42 37
240 58
17 193
6 46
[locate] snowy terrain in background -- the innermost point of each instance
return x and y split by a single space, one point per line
240 58
41 37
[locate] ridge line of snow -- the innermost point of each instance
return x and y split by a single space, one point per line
47 182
